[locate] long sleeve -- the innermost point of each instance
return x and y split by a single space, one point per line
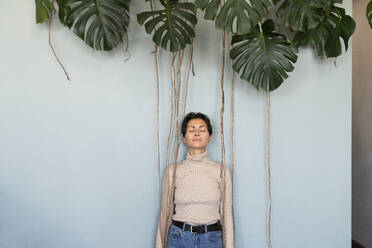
228 214
164 208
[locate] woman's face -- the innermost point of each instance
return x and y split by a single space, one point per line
197 135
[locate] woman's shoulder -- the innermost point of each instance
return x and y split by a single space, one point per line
169 169
221 168
211 162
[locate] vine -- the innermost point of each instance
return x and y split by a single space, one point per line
268 163
52 10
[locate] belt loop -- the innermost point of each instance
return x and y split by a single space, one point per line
191 228
205 228
183 227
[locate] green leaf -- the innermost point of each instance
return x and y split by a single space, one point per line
314 37
239 17
43 7
326 37
369 13
102 24
62 10
210 8
172 26
301 15
345 28
263 57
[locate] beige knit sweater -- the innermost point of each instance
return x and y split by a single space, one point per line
198 197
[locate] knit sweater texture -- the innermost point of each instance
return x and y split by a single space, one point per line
198 197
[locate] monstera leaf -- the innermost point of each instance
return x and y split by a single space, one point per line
172 25
301 15
100 23
315 37
328 34
369 13
238 16
62 10
210 8
263 58
43 7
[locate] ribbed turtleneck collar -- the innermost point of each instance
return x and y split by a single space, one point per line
197 157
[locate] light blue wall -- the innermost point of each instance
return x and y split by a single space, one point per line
78 159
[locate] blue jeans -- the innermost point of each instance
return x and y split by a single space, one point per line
178 238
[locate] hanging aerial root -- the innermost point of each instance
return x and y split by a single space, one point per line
176 119
157 109
232 143
168 149
50 41
188 76
223 152
268 147
170 134
157 120
222 109
232 129
232 125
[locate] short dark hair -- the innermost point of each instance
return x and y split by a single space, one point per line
193 115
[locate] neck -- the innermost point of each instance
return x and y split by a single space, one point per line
196 151
199 156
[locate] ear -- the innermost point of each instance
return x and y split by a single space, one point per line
210 138
183 139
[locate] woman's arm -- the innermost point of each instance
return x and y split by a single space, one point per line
228 214
162 222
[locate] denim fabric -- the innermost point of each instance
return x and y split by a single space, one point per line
177 238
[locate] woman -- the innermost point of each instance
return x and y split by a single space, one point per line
194 215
